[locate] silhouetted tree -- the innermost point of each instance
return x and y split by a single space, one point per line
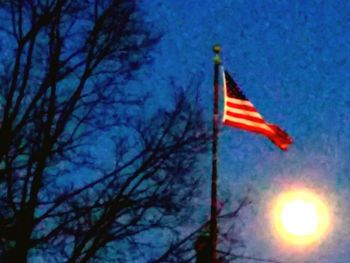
62 72
195 247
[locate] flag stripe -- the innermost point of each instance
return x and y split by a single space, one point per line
245 112
244 116
239 101
240 106
247 127
253 124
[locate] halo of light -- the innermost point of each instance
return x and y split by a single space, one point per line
300 217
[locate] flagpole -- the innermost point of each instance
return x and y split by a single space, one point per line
214 203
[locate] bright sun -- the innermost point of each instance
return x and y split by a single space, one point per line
300 217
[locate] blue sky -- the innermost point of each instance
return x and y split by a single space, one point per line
291 58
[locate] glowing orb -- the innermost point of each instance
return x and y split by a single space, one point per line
300 217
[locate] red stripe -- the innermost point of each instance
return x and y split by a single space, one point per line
282 143
282 140
242 107
245 117
248 128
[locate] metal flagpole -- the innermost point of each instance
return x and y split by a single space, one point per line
214 203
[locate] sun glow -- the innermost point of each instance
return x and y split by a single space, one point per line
300 217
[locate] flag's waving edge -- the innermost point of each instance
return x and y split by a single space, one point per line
239 112
280 137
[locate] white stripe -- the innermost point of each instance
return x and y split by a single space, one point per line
250 123
225 91
244 112
240 102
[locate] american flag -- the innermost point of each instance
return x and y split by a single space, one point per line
239 112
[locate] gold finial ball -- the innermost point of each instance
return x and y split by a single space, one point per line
216 48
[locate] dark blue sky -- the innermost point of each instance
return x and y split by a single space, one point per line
291 58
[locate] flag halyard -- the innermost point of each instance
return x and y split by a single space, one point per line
240 113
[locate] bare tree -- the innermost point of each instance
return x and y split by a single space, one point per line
195 247
61 84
